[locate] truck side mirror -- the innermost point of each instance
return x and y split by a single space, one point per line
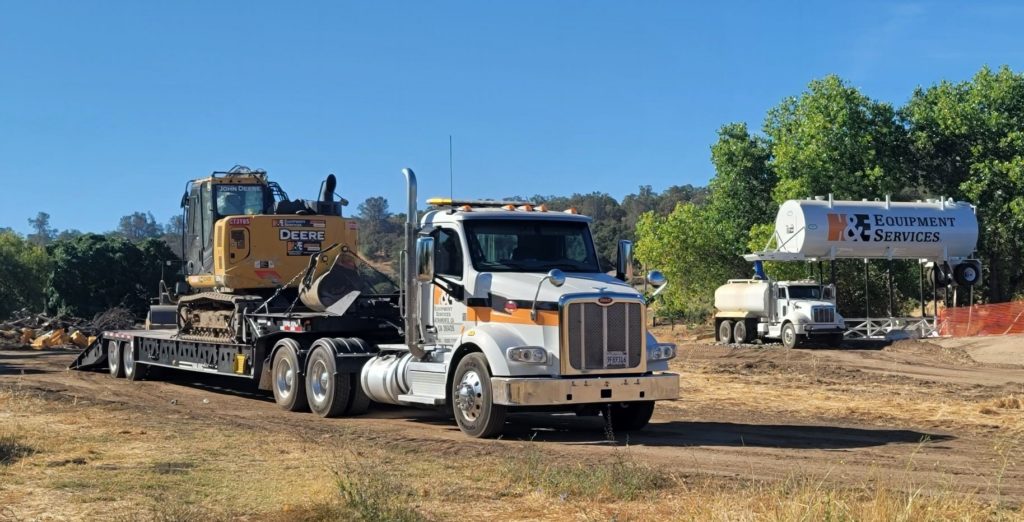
624 261
829 293
425 259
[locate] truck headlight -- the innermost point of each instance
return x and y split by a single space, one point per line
661 352
528 354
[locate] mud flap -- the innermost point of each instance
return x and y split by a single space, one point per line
94 356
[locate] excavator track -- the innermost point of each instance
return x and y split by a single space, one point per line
213 316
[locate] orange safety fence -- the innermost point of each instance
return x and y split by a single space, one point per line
982 319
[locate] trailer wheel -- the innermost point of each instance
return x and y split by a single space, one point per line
114 359
473 400
133 369
739 332
789 337
965 274
725 332
327 390
629 416
289 391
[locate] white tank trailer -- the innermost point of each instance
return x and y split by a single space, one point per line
943 232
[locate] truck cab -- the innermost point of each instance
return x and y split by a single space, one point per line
513 311
790 311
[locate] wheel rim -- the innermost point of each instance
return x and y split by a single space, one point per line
787 336
285 378
320 381
129 361
112 356
469 396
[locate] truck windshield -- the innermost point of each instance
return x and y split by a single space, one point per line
240 200
509 245
805 292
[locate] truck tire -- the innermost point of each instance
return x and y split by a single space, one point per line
473 400
114 365
789 337
133 369
739 333
289 390
327 390
725 332
629 416
360 400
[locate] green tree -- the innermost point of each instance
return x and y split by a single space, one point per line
833 139
968 141
138 226
93 273
42 234
24 268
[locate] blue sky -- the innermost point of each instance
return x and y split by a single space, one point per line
110 107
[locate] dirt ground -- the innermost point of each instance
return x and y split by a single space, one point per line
915 430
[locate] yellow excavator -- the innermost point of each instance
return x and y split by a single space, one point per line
246 245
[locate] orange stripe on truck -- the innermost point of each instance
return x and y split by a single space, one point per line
486 314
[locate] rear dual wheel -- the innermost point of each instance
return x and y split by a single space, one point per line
121 361
289 391
323 388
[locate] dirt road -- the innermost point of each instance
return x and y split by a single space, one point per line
929 414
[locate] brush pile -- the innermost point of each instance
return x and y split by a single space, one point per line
40 331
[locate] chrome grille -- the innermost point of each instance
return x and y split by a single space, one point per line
823 314
604 337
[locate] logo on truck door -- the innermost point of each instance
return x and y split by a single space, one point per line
880 227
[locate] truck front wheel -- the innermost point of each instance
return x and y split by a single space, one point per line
473 401
629 416
789 337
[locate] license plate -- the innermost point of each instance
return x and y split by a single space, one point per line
615 359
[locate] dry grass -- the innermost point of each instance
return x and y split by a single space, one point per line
897 403
90 460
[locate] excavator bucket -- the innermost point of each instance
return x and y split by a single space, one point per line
333 290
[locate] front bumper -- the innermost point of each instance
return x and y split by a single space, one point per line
819 329
549 391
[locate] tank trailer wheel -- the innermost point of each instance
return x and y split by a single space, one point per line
789 337
739 332
289 391
114 364
629 416
327 390
965 274
725 332
473 400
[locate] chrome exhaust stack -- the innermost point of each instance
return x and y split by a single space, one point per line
410 310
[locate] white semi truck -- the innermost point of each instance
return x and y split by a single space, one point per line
790 311
502 308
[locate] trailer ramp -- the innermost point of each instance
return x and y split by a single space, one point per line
94 356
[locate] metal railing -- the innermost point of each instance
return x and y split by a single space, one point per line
891 328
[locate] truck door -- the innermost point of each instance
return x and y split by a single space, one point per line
446 309
783 300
